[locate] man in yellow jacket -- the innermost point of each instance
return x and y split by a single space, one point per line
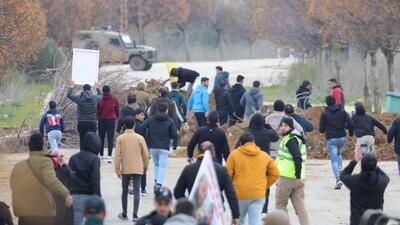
253 172
131 161
291 160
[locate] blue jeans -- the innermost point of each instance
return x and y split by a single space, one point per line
335 148
160 162
79 200
252 207
54 137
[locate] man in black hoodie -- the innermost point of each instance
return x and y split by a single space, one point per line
363 127
223 103
333 123
160 130
189 173
85 174
367 189
86 104
237 92
211 132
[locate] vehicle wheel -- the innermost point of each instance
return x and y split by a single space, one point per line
137 63
148 66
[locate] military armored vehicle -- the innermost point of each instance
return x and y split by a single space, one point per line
116 48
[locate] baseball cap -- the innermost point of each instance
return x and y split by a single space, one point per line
94 205
163 193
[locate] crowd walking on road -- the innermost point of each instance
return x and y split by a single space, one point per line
272 151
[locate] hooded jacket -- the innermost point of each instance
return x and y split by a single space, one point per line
155 103
223 100
252 100
52 120
108 107
367 190
263 133
252 171
128 110
29 196
181 219
237 91
394 133
184 75
213 134
364 124
198 101
86 102
303 96
188 176
160 130
337 92
85 167
334 121
221 77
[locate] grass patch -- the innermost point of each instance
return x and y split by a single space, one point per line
27 106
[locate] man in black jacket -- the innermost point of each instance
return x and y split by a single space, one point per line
367 189
211 132
394 133
189 173
162 204
85 174
237 92
128 110
333 123
160 130
223 103
363 127
182 76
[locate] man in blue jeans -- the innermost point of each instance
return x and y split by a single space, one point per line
160 130
334 122
54 123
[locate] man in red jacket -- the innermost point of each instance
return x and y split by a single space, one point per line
337 92
107 114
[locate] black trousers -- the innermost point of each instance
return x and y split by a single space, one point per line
136 178
143 182
266 204
223 117
107 127
84 127
201 118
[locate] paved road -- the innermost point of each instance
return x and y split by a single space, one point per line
325 205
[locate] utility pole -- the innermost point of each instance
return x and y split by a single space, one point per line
124 16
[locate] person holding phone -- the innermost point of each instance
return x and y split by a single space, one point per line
363 127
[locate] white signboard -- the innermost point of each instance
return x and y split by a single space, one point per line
85 66
206 194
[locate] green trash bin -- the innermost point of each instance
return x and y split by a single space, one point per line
393 102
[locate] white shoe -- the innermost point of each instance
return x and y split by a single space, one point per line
101 157
263 216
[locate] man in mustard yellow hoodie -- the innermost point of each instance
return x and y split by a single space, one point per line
291 160
253 172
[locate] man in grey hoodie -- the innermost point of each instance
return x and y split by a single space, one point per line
252 99
184 214
86 105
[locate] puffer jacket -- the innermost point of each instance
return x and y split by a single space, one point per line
85 167
252 100
86 102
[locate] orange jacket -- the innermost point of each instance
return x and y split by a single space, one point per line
252 171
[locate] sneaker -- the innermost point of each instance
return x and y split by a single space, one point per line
264 216
123 217
101 157
338 185
143 193
135 218
157 188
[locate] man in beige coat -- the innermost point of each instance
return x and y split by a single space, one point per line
32 183
131 162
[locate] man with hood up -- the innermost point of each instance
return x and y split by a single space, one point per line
337 92
143 98
252 99
86 104
291 161
253 172
85 174
237 91
223 103
303 95
367 189
334 122
363 127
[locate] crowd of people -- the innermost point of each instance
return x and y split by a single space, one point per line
272 151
